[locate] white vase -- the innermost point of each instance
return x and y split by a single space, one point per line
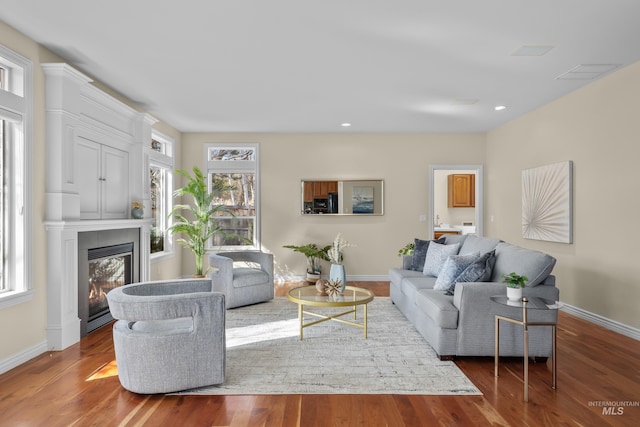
337 273
514 294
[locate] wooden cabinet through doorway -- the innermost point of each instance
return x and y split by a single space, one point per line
461 190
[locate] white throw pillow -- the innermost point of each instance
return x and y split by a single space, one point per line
436 256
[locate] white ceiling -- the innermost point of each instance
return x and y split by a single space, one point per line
308 66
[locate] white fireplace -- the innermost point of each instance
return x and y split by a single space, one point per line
63 322
97 165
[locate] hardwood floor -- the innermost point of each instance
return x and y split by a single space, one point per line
79 387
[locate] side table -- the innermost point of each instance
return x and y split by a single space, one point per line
526 303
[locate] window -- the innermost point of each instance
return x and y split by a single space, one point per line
15 177
233 177
161 192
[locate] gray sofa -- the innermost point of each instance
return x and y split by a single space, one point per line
462 324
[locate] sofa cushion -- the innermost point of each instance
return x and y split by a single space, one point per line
420 252
410 285
478 244
479 271
397 274
524 262
436 256
451 269
438 307
248 277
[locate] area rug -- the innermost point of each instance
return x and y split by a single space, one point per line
266 356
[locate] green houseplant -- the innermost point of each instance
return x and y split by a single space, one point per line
313 254
196 221
407 249
515 283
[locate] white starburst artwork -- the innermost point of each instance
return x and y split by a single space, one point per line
547 202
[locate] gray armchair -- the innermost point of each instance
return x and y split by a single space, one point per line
243 285
170 335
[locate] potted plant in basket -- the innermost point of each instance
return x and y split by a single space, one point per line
313 254
199 224
515 283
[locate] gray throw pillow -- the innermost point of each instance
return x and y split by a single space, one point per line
436 256
479 271
451 269
420 252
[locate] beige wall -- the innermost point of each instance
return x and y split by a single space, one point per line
22 327
402 160
598 127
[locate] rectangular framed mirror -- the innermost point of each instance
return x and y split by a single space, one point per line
342 197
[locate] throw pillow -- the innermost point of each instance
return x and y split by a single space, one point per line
479 271
436 256
451 269
420 252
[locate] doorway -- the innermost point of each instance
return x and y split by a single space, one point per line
434 171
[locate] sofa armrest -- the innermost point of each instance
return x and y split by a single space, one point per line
474 293
221 269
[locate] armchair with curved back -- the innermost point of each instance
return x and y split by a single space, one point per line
170 335
248 283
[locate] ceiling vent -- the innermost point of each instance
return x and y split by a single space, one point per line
532 50
587 71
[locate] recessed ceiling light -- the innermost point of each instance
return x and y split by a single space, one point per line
499 107
345 125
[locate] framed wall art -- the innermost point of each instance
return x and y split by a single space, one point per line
547 208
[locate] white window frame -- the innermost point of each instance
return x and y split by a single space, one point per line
163 159
16 109
237 166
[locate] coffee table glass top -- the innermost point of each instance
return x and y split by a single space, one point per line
309 295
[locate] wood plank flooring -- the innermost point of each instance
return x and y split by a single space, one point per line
79 387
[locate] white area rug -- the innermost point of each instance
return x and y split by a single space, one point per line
266 356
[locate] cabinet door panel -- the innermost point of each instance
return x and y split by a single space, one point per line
88 153
461 191
115 186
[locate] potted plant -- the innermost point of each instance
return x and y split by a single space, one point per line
515 283
200 225
313 254
407 249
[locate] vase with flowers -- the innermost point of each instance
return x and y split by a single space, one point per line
336 257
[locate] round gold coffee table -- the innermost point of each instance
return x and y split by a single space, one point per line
351 297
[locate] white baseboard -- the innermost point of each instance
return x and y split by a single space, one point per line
605 322
22 357
353 278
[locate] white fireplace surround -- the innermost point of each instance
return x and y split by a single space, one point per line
77 111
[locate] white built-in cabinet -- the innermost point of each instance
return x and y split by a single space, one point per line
104 187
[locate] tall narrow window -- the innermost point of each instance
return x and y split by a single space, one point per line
161 190
3 285
233 178
15 177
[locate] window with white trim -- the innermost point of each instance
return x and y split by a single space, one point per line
233 176
161 192
16 106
